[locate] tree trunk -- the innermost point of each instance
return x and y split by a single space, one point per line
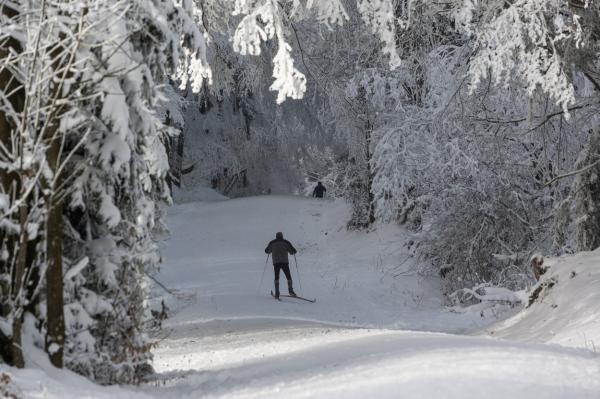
370 173
15 245
587 197
19 290
55 336
55 328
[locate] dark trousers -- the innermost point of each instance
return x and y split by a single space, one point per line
286 270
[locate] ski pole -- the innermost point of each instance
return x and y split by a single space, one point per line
263 274
298 273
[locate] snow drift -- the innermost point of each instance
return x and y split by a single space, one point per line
563 307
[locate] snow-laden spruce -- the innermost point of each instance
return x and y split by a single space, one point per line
83 170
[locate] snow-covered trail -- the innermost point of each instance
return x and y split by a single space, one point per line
217 253
230 339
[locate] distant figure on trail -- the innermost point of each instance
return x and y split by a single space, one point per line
319 190
280 249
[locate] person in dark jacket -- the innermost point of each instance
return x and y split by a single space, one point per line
319 190
279 249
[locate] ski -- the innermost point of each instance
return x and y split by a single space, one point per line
274 297
297 297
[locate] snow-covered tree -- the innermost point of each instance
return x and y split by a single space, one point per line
84 171
552 47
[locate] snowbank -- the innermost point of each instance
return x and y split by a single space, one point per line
42 380
271 360
50 383
567 308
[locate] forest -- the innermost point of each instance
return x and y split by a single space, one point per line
473 125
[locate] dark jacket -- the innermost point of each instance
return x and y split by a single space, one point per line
280 249
319 191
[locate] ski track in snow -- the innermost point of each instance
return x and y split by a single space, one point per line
368 335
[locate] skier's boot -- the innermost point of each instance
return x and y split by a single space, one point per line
290 288
276 289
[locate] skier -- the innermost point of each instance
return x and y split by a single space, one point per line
319 190
280 249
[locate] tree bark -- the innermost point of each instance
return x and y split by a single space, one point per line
587 197
370 172
55 322
55 334
15 244
19 290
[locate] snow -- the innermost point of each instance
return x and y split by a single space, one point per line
484 293
369 334
109 211
77 268
378 328
61 384
296 362
5 328
217 252
567 313
196 194
53 348
4 202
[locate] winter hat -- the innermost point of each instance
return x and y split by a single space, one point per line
279 235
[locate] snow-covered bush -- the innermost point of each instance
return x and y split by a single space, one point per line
472 165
